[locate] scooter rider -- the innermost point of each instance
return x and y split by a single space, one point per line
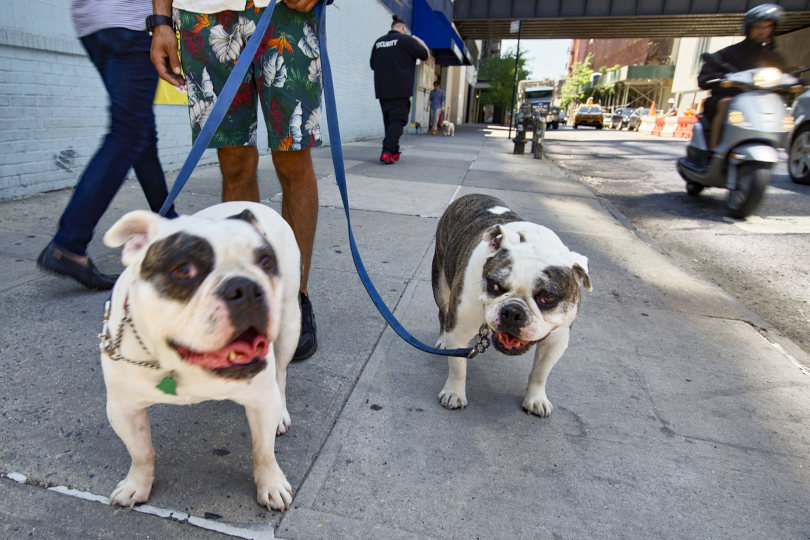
755 51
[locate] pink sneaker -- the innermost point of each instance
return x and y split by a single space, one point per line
387 158
395 157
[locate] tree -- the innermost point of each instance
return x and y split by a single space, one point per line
572 90
500 73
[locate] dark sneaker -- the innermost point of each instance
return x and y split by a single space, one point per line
308 342
395 157
65 263
387 158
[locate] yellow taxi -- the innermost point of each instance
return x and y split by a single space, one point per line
589 115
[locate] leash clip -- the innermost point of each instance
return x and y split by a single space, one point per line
482 341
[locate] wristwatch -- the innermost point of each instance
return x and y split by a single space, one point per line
154 20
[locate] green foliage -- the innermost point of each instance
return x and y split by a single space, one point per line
500 73
573 90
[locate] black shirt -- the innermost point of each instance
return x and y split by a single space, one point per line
747 54
393 59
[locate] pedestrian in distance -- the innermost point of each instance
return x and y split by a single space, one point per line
436 100
757 50
112 33
212 35
393 59
673 110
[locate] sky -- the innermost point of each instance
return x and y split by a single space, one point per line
547 58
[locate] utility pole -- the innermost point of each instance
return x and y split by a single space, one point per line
514 27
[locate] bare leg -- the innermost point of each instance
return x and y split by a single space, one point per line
238 165
299 204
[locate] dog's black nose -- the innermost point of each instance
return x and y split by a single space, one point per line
513 316
246 302
241 292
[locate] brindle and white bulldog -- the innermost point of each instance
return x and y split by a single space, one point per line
492 266
207 308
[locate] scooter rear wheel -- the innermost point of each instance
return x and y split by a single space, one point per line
752 179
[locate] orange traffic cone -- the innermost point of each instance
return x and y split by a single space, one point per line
652 109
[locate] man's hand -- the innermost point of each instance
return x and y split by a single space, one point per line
164 55
301 5
422 43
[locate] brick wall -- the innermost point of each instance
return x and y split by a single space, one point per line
53 107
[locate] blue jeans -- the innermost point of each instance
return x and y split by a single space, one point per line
122 59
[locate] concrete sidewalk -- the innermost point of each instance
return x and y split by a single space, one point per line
677 412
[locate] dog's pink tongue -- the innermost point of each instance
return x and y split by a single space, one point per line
241 351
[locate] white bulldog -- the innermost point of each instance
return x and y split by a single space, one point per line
518 277
207 308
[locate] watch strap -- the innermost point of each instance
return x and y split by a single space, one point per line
154 20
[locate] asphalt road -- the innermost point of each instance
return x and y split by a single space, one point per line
762 260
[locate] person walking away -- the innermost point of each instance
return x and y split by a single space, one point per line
436 100
212 35
755 51
393 59
112 33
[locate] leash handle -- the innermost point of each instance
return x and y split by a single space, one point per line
221 106
340 174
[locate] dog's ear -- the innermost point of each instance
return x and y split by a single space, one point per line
499 237
580 268
136 229
493 235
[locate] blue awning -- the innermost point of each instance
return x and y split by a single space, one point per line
435 29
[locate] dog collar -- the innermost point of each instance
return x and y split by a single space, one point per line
112 346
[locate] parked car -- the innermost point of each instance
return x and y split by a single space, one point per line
589 116
634 121
620 118
799 145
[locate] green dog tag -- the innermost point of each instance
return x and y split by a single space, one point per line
168 385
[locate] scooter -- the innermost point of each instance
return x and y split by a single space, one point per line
755 126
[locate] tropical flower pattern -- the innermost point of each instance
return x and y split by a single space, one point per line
285 76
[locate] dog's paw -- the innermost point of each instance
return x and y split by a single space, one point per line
132 490
537 403
273 491
452 400
284 424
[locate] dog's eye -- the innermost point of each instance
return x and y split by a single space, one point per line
267 261
494 288
184 272
546 301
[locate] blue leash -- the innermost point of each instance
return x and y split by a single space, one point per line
218 113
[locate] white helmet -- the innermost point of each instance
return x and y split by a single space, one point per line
671 100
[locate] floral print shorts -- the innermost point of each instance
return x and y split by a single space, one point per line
285 75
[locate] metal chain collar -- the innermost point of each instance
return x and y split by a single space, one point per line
113 346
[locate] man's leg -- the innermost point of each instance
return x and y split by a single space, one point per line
398 119
717 122
299 202
238 165
299 207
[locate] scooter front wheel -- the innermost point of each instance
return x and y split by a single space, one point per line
752 179
693 188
